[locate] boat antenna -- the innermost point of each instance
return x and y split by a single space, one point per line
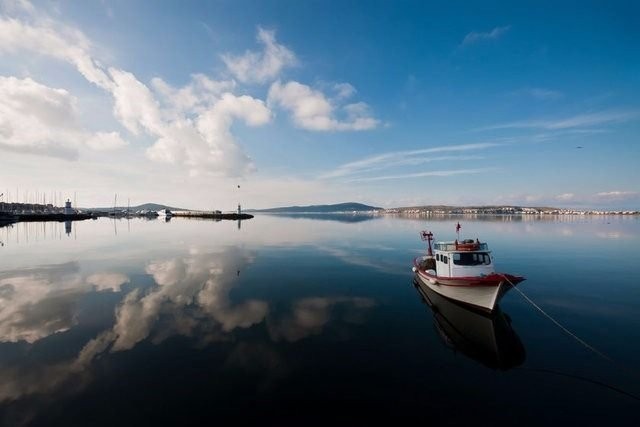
428 236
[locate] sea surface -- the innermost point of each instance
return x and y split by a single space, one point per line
311 320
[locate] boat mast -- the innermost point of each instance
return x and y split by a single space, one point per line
428 236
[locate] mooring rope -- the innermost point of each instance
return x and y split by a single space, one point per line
568 332
581 378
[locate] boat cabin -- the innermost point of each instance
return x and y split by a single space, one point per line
462 259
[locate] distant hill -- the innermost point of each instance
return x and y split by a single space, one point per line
337 208
145 206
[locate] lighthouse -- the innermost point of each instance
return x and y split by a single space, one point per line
67 208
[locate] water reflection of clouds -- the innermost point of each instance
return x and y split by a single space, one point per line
107 281
190 296
194 293
308 316
350 256
613 235
38 302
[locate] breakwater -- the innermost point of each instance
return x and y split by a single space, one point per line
212 215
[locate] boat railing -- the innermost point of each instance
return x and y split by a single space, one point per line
451 246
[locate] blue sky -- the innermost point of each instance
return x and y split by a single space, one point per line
386 103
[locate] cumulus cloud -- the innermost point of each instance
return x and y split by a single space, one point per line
106 141
39 119
204 142
312 110
195 96
477 36
260 67
191 125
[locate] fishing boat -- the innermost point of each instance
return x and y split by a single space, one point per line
463 270
487 338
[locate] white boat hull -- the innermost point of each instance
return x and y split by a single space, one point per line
484 297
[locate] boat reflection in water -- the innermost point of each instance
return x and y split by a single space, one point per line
486 338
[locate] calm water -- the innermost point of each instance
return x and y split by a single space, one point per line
309 320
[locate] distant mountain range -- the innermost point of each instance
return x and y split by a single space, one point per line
337 208
145 206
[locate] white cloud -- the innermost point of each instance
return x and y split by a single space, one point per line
475 36
206 144
401 158
581 120
601 200
344 90
617 195
261 67
106 141
37 119
441 173
565 197
52 39
192 125
135 107
312 110
195 96
16 6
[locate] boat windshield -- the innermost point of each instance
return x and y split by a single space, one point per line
471 258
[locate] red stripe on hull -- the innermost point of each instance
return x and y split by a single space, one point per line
490 280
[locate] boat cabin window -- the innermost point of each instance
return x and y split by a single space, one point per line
471 258
437 257
445 259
